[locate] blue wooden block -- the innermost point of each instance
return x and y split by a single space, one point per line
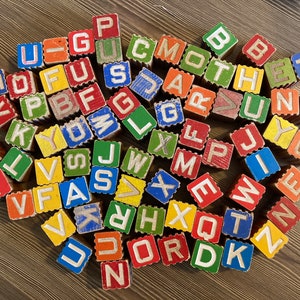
296 63
103 180
74 192
30 55
162 186
237 223
74 256
146 84
237 255
262 163
3 85
169 112
117 74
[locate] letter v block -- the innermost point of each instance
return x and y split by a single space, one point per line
106 153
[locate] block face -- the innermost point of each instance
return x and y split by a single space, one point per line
294 147
106 153
3 85
76 162
262 163
269 239
30 55
74 256
81 42
106 26
117 74
108 50
55 50
204 190
284 101
7 111
5 187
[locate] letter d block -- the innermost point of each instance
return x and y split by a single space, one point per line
81 42
76 162
74 255
7 111
30 55
117 74
5 186
285 101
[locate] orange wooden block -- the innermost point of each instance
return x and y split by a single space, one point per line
285 101
294 147
56 50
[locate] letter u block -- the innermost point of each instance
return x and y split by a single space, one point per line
108 50
81 42
30 55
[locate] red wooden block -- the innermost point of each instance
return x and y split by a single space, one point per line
106 26
294 147
207 227
217 154
284 101
173 249
7 111
56 50
247 139
81 42
204 190
194 134
186 163
5 186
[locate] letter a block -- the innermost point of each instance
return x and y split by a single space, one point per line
76 162
106 153
284 101
108 50
5 187
7 111
106 26
30 55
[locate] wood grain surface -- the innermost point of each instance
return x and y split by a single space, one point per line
28 268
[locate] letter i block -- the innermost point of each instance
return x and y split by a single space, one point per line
108 50
117 74
74 192
206 256
173 249
103 180
20 205
106 26
284 101
88 218
237 255
247 139
247 192
59 227
295 59
207 227
194 134
74 255
115 274
76 132
180 215
119 216
163 186
280 73
178 83
204 190
106 153
150 220
81 42
21 134
56 50
3 85
140 122
30 56
269 239
146 84
5 186
16 164
162 143
143 251
7 111
76 162
289 184
254 108
108 246
141 49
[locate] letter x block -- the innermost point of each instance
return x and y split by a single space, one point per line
7 111
76 162
285 101
5 187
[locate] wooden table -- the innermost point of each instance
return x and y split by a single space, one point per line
28 268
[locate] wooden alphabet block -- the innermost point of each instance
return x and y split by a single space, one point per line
76 162
106 153
81 42
284 101
3 85
56 50
5 186
106 26
295 59
7 111
117 74
294 147
30 55
108 50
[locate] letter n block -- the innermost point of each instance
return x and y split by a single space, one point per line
106 26
81 42
56 50
5 187
106 153
285 101
76 162
30 55
108 50
117 74
7 111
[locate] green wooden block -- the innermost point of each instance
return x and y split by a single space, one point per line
108 50
219 72
16 164
219 39
76 162
106 153
140 122
280 72
136 163
162 143
195 60
254 107
21 134
119 216
206 256
150 220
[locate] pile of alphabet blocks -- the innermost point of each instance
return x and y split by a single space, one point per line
64 145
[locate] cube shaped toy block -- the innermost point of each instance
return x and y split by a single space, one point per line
76 162
220 40
106 26
7 111
3 85
285 102
294 147
173 249
81 42
30 55
56 50
59 227
106 153
204 190
74 255
284 214
143 251
5 187
108 50
258 49
117 74
269 239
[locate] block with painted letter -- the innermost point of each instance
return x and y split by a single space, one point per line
56 50
106 153
173 249
5 187
108 50
295 59
3 85
117 74
294 147
106 26
143 251
59 227
76 162
30 55
81 42
284 101
269 239
7 111
74 255
204 190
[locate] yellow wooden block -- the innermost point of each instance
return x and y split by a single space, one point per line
269 239
46 198
54 79
51 140
48 170
59 227
130 190
180 215
280 132
248 79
